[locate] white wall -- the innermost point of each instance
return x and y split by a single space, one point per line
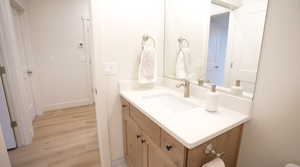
118 29
190 20
272 137
4 160
61 67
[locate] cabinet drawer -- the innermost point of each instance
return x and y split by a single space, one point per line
148 126
157 158
125 107
171 147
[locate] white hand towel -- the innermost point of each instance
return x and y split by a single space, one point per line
148 66
218 162
183 64
292 165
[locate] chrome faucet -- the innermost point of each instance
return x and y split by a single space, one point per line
187 87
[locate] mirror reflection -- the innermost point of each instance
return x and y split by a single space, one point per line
215 42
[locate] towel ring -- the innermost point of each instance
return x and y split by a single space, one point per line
183 41
146 38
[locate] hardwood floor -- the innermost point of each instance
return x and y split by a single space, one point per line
63 138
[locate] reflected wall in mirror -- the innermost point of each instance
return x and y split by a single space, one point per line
224 39
188 20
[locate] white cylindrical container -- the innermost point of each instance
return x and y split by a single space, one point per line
218 162
237 89
292 165
212 99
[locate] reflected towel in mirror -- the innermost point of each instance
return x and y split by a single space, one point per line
183 64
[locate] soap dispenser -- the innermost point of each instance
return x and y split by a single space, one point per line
212 99
237 89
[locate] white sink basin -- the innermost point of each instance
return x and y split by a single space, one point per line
168 103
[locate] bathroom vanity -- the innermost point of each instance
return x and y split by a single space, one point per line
162 128
157 133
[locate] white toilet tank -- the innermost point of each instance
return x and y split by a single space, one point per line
292 165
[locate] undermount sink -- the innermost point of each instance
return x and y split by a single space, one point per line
168 103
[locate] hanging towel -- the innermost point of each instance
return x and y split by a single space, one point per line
148 65
183 63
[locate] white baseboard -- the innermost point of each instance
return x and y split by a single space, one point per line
67 104
119 163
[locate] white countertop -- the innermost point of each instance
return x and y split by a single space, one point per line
191 128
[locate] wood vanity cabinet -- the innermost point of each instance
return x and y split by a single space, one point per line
147 145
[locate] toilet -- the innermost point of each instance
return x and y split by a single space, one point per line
292 165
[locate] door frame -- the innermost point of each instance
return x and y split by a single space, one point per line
100 83
11 61
88 48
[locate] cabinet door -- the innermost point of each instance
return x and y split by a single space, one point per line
144 146
133 144
156 158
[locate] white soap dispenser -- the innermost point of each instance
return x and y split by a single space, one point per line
237 89
212 99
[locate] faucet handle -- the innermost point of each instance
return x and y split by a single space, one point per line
201 82
210 149
180 85
185 83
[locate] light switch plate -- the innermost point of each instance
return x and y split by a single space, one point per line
110 68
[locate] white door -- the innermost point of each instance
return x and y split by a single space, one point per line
5 120
217 48
247 34
4 159
25 68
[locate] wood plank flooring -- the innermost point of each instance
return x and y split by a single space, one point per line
63 138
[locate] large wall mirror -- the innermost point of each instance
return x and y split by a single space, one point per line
215 42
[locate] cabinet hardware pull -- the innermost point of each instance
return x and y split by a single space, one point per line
143 140
220 154
211 150
168 147
124 106
138 136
